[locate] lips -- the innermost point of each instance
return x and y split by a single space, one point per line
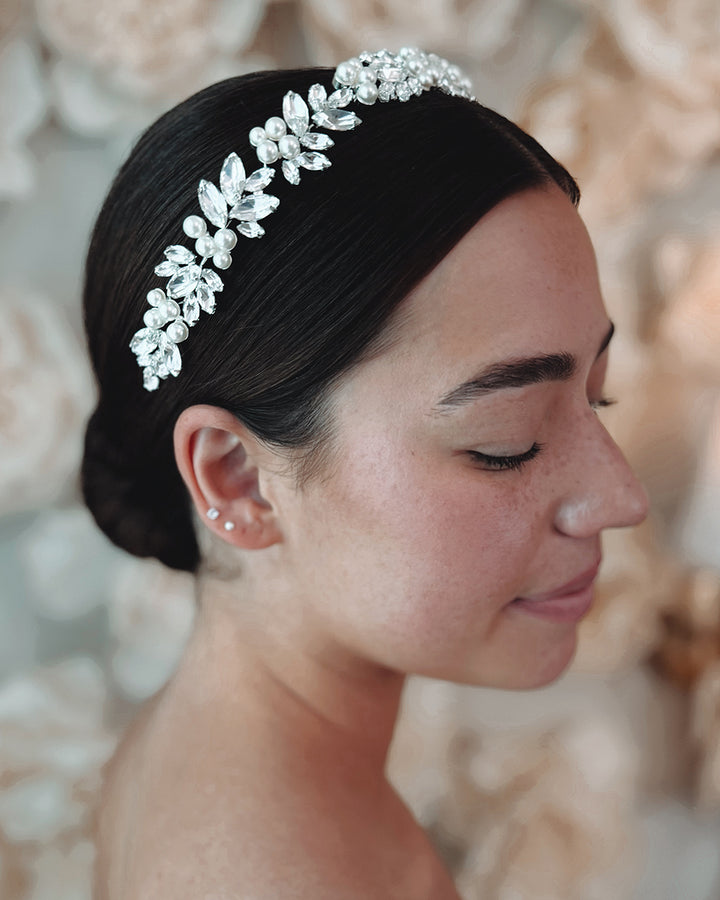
572 587
567 603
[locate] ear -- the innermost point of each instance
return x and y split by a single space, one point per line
225 467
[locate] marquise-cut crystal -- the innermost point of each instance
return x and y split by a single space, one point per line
291 170
213 280
167 269
260 179
212 203
191 309
391 73
386 91
145 342
184 282
232 179
336 119
205 297
403 91
313 161
317 96
251 229
316 140
180 255
171 358
340 98
250 209
295 113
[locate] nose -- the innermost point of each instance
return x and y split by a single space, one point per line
601 490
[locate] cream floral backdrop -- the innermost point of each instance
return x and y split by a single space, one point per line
603 786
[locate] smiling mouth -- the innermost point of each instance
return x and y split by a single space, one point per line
568 603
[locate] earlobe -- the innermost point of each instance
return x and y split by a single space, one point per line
223 466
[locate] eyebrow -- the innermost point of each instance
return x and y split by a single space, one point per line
517 373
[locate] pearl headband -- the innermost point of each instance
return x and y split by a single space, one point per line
292 141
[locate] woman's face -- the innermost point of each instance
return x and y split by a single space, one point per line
463 478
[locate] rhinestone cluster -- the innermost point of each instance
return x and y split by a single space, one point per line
290 140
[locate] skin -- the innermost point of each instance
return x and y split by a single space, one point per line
403 556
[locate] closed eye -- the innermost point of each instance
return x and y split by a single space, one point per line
505 462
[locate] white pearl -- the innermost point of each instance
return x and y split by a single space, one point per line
229 526
177 331
205 246
194 226
367 94
367 75
289 146
267 152
347 72
275 128
222 260
172 310
257 136
225 239
154 318
155 296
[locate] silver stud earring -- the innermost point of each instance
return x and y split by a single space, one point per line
229 526
213 513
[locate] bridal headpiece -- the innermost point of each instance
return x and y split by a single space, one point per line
296 141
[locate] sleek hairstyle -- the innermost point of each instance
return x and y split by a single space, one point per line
301 305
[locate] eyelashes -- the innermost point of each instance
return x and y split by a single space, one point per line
517 462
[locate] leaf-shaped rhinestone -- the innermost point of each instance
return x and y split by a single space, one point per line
317 97
213 280
180 255
295 113
260 179
336 119
171 359
232 179
291 170
145 342
184 282
212 203
250 209
340 98
205 297
314 161
316 140
251 229
191 309
167 269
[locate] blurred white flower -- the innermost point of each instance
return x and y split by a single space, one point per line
64 874
23 105
152 609
46 393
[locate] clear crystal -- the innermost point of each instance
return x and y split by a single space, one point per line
251 229
341 97
291 171
314 161
392 73
295 113
191 309
205 297
317 96
150 380
403 91
316 140
212 203
365 57
336 119
184 282
386 91
414 85
250 209
260 179
179 255
171 358
213 280
232 179
167 269
145 342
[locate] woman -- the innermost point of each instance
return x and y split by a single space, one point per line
380 455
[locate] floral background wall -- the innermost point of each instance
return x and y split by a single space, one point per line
603 785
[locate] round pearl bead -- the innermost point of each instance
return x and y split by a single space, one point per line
222 260
367 75
367 94
172 309
205 246
154 318
225 239
289 146
275 128
194 226
257 136
348 72
267 152
155 296
177 331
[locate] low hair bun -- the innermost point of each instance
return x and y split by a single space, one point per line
141 507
